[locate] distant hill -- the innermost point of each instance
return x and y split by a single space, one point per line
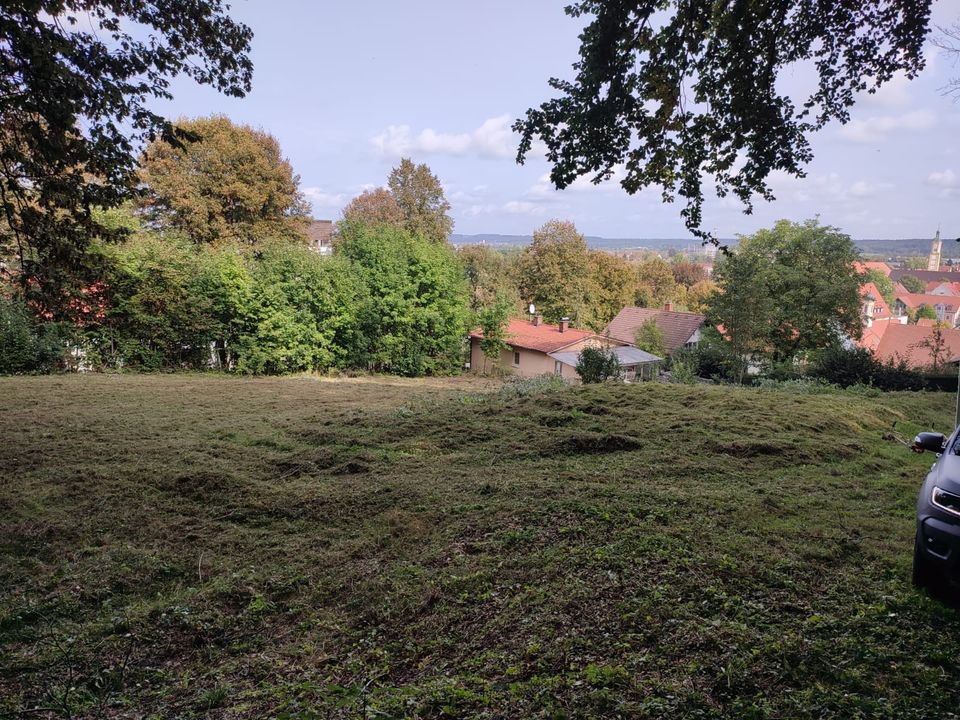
882 248
906 248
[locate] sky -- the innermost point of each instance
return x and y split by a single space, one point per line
350 87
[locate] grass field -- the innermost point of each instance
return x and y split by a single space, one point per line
194 546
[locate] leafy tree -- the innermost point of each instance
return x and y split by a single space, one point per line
883 284
657 275
377 206
414 315
858 366
597 365
419 195
649 337
225 284
493 323
613 286
25 344
788 290
490 273
79 78
227 183
926 312
555 273
668 93
153 319
913 284
936 345
303 313
915 262
688 273
699 295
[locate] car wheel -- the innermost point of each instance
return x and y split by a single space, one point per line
922 575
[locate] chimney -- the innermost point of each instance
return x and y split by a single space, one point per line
668 306
536 319
564 324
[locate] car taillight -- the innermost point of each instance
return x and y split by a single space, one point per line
946 501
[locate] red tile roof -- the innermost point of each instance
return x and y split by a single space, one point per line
901 341
677 327
543 337
874 334
878 302
915 300
950 288
870 265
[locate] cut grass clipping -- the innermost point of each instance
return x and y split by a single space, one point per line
191 546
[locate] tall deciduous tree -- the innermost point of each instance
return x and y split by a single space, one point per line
788 290
491 273
554 272
668 93
613 286
375 207
649 337
227 183
656 275
423 207
76 83
414 319
493 323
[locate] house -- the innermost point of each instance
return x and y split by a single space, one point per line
947 307
538 348
320 236
939 287
874 306
890 340
680 329
868 265
948 273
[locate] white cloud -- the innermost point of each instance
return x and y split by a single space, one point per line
513 207
947 180
895 93
544 189
319 198
944 178
522 207
877 128
493 139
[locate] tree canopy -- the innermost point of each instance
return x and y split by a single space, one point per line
678 95
423 206
75 91
226 183
788 290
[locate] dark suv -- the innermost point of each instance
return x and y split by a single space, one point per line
936 551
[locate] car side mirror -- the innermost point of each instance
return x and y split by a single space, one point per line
931 441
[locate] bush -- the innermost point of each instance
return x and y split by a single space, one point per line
857 366
598 365
25 345
683 372
514 387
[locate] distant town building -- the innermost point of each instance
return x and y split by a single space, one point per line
320 236
936 252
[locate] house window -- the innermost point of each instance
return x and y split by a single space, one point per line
516 358
557 368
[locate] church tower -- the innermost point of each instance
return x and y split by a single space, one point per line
936 247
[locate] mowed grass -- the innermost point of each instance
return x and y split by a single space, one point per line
193 546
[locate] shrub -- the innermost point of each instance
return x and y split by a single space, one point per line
25 345
683 371
598 365
857 366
